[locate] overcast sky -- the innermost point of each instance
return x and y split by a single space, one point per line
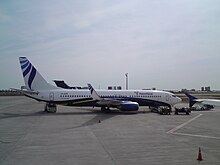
171 44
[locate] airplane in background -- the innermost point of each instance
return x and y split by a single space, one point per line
124 100
193 100
62 84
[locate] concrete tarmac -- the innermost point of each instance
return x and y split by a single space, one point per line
74 136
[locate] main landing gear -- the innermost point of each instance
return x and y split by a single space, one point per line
105 109
50 108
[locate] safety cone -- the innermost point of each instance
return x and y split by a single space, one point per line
199 155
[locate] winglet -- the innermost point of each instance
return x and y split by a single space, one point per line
192 99
94 94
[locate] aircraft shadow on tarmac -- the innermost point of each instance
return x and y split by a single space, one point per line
43 113
95 120
99 115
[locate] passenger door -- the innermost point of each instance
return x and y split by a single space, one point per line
167 97
51 96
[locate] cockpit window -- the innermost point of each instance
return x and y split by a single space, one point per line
174 95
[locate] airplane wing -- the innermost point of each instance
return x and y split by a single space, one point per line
25 91
107 102
102 101
193 100
213 102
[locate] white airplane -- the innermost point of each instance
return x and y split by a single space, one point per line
124 100
193 100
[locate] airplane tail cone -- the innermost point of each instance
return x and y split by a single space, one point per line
199 155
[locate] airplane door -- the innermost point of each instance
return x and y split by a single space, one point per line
167 97
51 97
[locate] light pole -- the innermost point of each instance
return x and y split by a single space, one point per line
126 80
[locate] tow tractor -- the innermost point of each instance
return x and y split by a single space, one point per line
165 110
162 110
185 110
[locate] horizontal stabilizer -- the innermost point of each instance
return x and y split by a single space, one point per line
25 91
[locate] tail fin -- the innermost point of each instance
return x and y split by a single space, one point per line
192 99
32 78
94 94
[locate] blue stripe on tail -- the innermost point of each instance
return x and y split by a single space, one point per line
27 70
21 62
32 76
24 65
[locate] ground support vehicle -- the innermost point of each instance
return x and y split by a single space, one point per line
185 110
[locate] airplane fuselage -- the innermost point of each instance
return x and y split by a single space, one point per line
84 98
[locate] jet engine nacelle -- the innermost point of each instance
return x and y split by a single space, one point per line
129 106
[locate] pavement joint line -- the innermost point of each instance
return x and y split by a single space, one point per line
103 146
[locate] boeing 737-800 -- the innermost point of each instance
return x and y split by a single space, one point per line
124 100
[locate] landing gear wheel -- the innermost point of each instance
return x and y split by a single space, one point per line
105 109
50 108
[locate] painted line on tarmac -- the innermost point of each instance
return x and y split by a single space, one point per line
194 135
172 131
182 125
